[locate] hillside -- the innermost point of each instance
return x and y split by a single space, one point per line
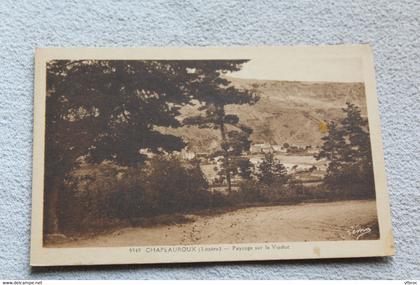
288 111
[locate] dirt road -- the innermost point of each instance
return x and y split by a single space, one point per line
303 222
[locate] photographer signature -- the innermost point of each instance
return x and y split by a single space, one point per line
358 231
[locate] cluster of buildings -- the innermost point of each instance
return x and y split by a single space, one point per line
266 148
286 148
261 148
298 159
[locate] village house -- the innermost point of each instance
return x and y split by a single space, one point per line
279 149
187 155
267 148
261 148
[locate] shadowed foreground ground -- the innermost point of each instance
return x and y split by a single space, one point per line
303 222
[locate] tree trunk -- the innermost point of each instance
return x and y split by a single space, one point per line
51 206
226 156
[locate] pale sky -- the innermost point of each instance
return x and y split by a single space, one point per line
330 69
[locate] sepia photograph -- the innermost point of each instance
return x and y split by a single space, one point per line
207 154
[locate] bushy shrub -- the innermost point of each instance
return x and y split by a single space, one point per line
250 191
352 181
107 193
278 192
256 192
128 200
86 197
174 186
220 200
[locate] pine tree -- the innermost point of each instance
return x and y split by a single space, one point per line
245 168
271 170
332 150
355 129
214 93
347 149
357 154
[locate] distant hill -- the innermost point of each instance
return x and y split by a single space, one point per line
288 111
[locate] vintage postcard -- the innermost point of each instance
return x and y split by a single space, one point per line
157 155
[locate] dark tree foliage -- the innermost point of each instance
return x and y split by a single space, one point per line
96 107
271 170
108 110
175 187
245 168
332 148
348 150
214 93
355 128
